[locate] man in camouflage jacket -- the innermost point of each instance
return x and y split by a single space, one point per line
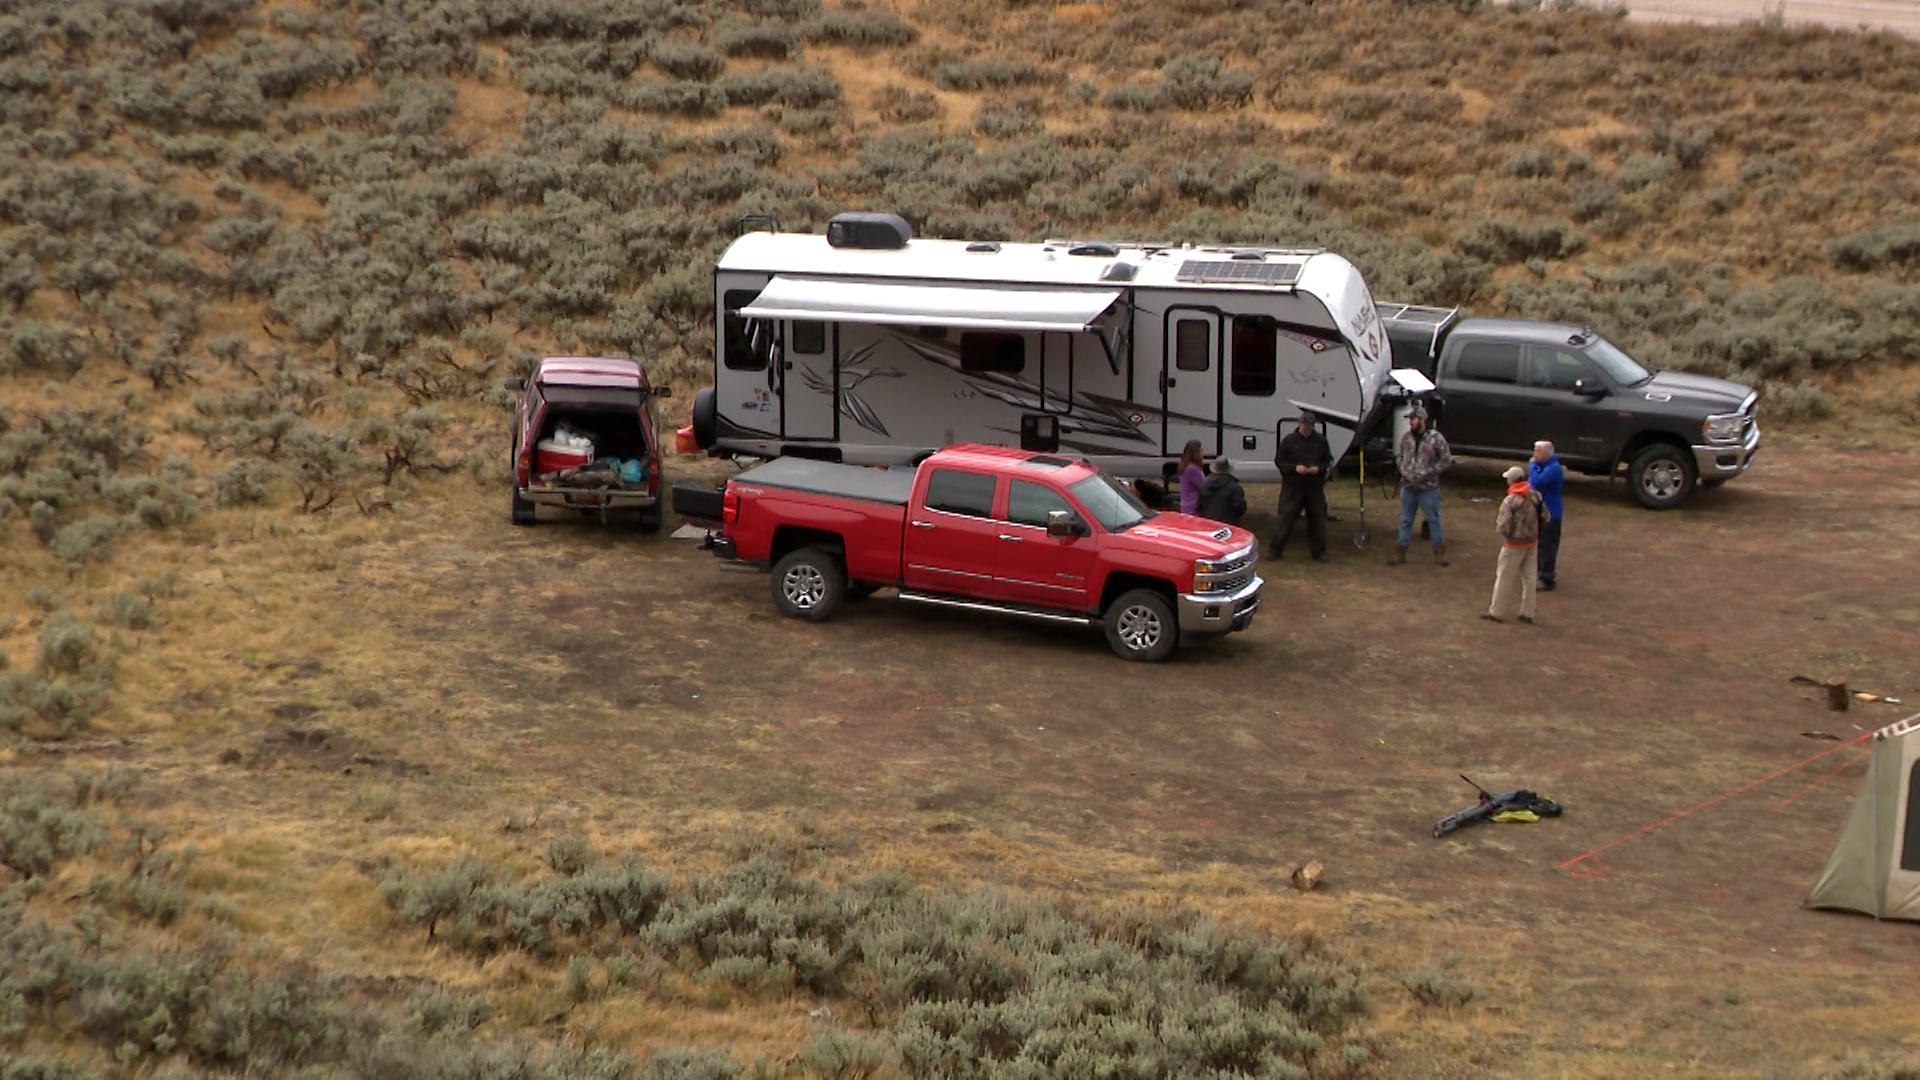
1421 457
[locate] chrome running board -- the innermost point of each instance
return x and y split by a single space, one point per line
995 609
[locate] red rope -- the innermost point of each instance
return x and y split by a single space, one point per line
1722 797
1824 777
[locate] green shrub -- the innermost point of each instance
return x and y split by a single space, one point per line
801 88
897 104
579 979
686 59
772 40
1200 82
1136 98
1877 248
1438 987
1006 120
245 482
439 1010
860 29
1643 170
990 75
39 829
570 855
1531 162
68 646
90 539
683 98
1512 242
942 977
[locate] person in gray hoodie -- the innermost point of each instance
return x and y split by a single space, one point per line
1221 497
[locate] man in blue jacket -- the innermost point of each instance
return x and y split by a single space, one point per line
1545 476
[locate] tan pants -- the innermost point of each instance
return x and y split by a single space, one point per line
1513 583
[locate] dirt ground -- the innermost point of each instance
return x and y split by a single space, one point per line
436 681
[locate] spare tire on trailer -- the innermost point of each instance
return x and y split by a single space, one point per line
706 419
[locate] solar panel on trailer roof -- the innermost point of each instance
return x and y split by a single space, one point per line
1231 272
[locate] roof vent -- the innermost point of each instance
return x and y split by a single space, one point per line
984 246
1097 248
1249 256
876 232
1119 271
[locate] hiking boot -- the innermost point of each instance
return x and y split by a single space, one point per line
1273 554
1490 616
1440 555
1399 555
1323 557
1526 619
1545 586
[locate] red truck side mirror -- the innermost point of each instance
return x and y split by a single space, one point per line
514 384
1062 523
663 391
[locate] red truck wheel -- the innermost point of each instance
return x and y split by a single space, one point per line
1140 626
809 584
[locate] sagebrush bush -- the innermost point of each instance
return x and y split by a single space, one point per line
40 827
945 978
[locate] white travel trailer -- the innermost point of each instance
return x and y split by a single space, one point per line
869 347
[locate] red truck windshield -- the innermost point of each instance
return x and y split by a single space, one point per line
1112 505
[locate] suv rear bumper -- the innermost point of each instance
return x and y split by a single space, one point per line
1727 462
590 498
1220 613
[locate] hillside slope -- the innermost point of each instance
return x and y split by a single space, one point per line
264 264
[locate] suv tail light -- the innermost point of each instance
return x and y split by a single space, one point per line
730 506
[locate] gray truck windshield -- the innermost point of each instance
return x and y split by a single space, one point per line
1619 367
1113 506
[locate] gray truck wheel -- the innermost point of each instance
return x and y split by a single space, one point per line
1141 626
650 519
809 584
523 509
1661 476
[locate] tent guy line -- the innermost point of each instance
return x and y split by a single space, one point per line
1593 869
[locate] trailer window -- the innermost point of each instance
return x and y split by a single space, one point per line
1489 361
1256 346
809 338
951 491
748 344
1002 353
1028 503
1192 345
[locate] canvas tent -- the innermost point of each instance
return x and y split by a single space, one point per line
1875 866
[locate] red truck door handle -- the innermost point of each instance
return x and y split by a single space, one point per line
1009 539
923 524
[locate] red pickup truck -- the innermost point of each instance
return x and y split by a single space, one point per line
988 528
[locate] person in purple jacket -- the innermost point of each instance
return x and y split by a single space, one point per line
1545 476
1193 474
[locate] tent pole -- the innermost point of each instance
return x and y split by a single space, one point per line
1873 780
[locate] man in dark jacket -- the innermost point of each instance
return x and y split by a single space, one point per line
1546 476
1222 498
1304 459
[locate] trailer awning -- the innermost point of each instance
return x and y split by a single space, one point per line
931 305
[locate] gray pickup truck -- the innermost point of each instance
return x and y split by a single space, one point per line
1502 384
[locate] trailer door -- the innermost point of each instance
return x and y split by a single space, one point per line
1190 382
809 378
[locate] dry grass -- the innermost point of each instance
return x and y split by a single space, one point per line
1386 130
